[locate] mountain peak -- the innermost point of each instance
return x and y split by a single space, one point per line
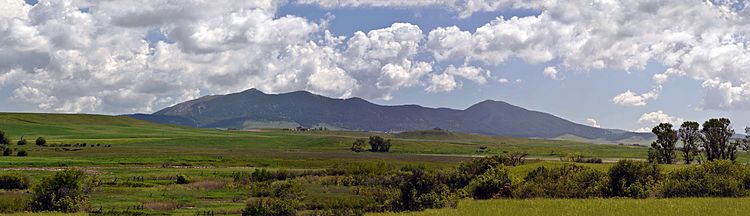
307 109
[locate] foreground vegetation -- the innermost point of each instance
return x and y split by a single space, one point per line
127 166
593 207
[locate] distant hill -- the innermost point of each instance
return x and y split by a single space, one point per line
253 107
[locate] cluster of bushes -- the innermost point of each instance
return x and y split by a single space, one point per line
66 191
579 158
7 151
377 144
14 182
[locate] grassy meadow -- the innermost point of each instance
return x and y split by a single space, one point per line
135 163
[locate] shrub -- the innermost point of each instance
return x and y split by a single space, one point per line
10 182
635 179
62 192
271 207
493 183
568 181
358 145
182 179
4 140
420 190
21 141
378 144
22 153
7 151
469 170
712 179
287 190
40 141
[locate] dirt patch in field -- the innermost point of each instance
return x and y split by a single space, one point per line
160 205
208 184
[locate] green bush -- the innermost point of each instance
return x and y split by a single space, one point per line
182 179
21 141
634 179
712 179
421 190
568 181
7 151
40 141
288 189
62 192
358 145
22 153
10 182
469 170
493 183
4 140
378 144
271 207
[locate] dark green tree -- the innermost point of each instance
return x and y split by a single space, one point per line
21 141
40 141
378 144
664 146
690 135
717 135
4 140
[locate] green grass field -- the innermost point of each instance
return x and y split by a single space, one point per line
139 167
594 207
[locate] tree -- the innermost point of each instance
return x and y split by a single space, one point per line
664 146
40 141
4 140
378 144
7 152
358 145
716 139
62 192
21 141
690 135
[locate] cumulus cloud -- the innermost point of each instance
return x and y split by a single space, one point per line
59 57
659 117
592 122
701 40
442 83
628 98
551 72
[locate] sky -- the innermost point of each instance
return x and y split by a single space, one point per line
605 63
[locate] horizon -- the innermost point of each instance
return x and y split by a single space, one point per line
131 57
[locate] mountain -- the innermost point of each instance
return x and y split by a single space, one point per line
253 108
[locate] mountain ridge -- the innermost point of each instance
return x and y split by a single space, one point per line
488 117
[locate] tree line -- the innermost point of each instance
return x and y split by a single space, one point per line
713 141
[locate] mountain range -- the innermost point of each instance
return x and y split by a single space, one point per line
255 109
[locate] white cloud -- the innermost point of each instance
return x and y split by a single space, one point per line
551 72
442 83
475 74
628 98
702 40
659 117
59 58
643 130
503 80
592 122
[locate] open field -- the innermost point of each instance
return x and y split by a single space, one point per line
594 207
136 163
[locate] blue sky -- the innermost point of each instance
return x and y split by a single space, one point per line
613 65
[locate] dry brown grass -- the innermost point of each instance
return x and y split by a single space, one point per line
160 205
208 184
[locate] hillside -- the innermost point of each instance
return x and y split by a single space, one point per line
247 108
